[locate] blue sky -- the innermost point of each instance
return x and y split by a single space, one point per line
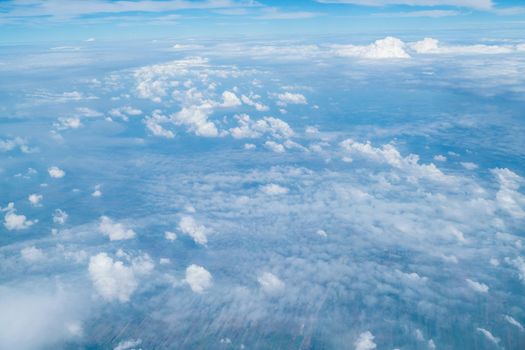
27 21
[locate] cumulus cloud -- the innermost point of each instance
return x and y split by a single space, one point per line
114 230
170 236
388 47
128 344
249 128
154 125
229 99
477 286
195 118
432 46
125 112
68 123
60 217
198 278
189 226
508 197
290 98
115 281
11 144
274 146
35 199
13 221
270 283
365 341
55 172
32 254
274 189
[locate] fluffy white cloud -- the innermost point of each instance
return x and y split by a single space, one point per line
365 341
170 236
195 117
56 172
68 123
508 197
249 128
189 226
251 101
11 144
287 98
115 281
125 112
270 283
154 125
229 99
35 199
115 231
13 221
432 46
388 154
32 254
388 47
274 146
274 189
477 286
198 278
514 322
60 216
112 279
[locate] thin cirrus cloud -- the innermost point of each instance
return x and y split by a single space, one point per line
474 4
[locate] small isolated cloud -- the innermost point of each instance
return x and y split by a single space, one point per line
32 254
489 336
115 281
170 236
287 98
365 341
189 226
274 146
35 199
274 190
477 286
388 47
115 231
128 344
11 144
55 172
229 99
15 222
67 123
125 112
198 278
60 217
469 165
97 192
514 322
270 283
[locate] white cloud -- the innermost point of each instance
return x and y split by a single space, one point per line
154 125
432 46
128 344
88 112
68 123
274 146
115 281
274 189
170 236
112 279
365 341
475 4
13 221
115 231
388 154
125 112
97 192
489 335
518 263
440 158
229 99
251 101
477 286
60 216
508 197
270 283
189 226
11 144
35 199
249 128
56 172
198 278
469 165
388 47
514 322
287 98
32 254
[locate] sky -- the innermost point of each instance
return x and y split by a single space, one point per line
262 175
30 21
